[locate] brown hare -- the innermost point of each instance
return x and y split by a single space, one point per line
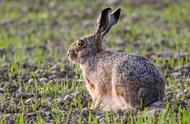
115 79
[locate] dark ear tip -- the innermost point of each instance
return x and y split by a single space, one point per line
118 10
117 13
106 9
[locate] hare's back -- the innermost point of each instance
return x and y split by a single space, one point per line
140 69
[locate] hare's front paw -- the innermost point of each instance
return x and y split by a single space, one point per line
113 108
107 108
96 103
116 108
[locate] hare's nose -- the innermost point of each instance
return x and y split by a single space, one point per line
68 52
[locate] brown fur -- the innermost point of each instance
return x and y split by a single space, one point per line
117 78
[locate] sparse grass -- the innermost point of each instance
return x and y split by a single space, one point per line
39 33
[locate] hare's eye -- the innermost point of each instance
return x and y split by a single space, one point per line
81 43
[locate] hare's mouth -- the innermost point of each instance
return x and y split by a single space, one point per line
72 56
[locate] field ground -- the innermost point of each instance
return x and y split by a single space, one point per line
38 84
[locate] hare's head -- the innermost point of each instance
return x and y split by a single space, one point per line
89 45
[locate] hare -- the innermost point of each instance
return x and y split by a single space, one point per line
116 79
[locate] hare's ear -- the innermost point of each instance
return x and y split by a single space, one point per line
103 20
113 19
107 20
